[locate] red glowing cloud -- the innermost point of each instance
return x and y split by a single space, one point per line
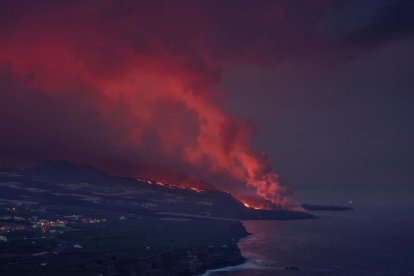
131 87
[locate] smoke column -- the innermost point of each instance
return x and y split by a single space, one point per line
130 87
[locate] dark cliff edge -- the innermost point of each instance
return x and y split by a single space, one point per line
193 261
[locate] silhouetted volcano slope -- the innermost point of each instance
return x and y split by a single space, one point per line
65 183
65 171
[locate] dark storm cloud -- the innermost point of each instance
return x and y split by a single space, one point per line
243 29
372 22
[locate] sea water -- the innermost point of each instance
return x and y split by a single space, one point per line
365 241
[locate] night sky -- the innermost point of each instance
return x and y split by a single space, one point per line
228 92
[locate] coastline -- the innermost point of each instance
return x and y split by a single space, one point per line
250 266
244 265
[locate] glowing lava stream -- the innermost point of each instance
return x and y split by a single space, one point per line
249 206
171 186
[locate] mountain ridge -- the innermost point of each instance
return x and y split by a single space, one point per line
53 181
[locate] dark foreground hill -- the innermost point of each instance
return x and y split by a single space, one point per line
88 241
60 218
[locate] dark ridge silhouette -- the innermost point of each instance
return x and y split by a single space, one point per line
66 183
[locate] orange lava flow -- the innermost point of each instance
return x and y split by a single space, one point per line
250 206
258 203
172 186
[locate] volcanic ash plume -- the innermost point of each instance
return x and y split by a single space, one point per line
101 85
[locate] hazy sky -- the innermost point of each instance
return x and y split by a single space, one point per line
348 124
